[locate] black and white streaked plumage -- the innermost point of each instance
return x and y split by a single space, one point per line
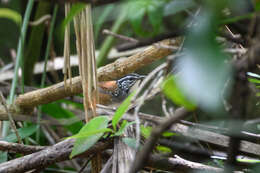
124 85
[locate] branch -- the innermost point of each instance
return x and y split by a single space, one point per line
50 155
187 131
19 148
111 71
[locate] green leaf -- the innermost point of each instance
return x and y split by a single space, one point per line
90 133
23 133
137 11
131 142
83 144
252 80
248 160
11 14
123 127
155 15
163 149
146 131
121 110
169 134
172 91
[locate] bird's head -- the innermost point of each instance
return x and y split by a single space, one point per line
127 82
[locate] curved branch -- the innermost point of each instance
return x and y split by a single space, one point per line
111 71
50 155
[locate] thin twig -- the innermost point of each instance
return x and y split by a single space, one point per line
40 20
122 37
164 108
3 102
66 49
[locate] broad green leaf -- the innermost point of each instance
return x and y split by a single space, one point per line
11 14
155 15
23 132
146 131
172 91
131 142
90 133
139 9
121 110
123 127
83 144
163 149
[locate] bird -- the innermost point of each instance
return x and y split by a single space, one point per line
114 92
